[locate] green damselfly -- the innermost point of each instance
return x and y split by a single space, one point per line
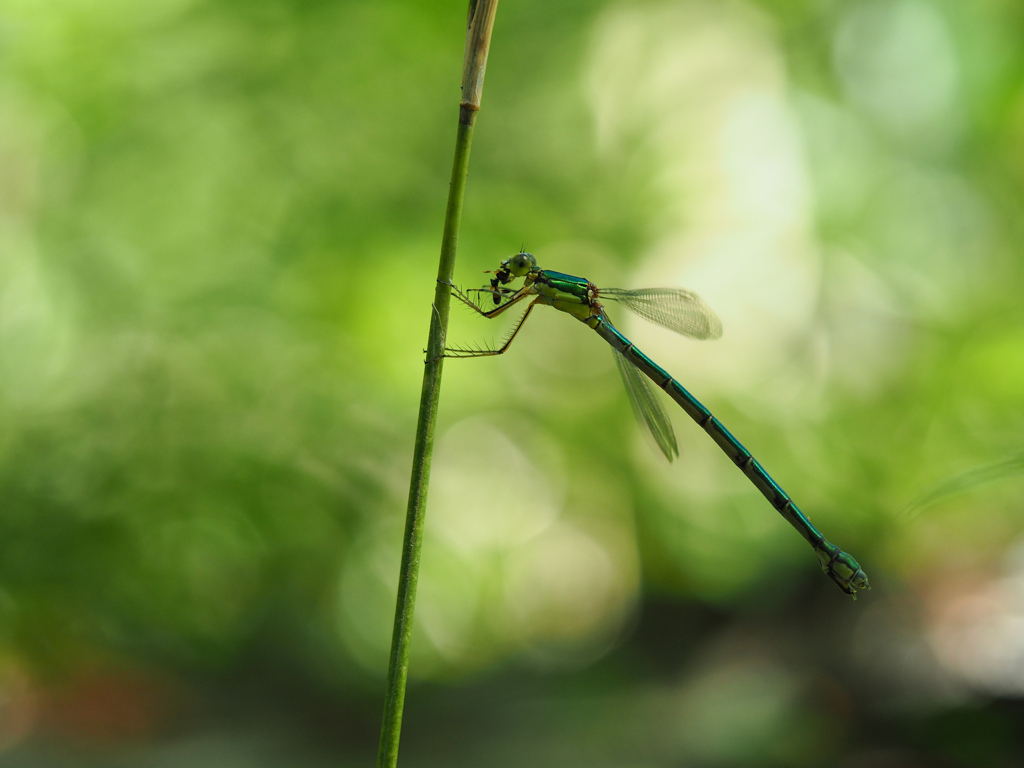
681 311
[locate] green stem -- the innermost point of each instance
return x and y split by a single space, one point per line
478 38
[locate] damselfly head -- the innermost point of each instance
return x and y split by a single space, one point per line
518 265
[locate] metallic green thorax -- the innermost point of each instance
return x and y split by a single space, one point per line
681 311
569 294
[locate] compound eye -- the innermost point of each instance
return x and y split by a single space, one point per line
523 263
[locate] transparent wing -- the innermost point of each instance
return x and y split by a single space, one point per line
648 410
677 309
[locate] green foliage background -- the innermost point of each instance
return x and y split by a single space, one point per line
219 223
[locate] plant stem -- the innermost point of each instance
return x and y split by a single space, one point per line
478 38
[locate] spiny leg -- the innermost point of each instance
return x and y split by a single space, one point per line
518 296
460 353
496 292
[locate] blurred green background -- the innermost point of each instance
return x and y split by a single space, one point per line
219 226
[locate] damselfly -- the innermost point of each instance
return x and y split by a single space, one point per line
681 311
